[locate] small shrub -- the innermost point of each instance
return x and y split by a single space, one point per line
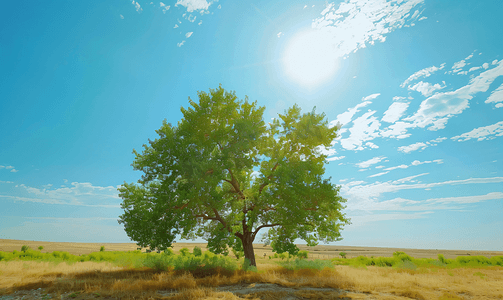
169 252
343 254
40 248
24 248
302 254
197 251
247 267
441 258
102 249
184 251
402 256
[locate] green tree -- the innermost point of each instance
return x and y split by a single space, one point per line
223 174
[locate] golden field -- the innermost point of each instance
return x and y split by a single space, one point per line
91 280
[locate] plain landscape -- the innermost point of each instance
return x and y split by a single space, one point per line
50 270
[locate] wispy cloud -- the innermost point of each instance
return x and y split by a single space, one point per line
137 6
426 88
371 97
422 73
366 196
192 5
11 168
79 194
436 110
421 145
164 7
365 128
482 133
372 161
188 34
181 43
496 96
395 112
356 24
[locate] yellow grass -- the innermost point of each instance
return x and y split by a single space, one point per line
88 280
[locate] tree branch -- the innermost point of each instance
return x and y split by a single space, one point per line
263 185
260 227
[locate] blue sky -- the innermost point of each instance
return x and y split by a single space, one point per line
417 86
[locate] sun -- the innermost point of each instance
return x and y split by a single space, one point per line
309 58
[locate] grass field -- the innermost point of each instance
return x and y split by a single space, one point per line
129 274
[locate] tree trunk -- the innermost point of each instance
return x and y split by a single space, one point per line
248 248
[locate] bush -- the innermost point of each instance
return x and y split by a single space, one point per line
302 254
402 256
184 252
384 261
343 254
102 249
169 252
197 251
496 260
247 267
24 248
40 248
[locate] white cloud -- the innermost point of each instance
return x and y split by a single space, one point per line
437 109
346 117
164 7
372 161
426 88
422 73
176 26
481 133
365 128
395 112
417 162
137 6
122 17
188 34
397 130
371 145
180 44
200 22
421 145
365 196
474 69
279 34
79 194
413 147
335 158
422 18
371 97
379 174
355 24
193 5
396 167
496 95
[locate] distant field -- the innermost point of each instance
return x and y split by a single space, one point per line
320 251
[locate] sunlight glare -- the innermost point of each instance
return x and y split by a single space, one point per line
310 58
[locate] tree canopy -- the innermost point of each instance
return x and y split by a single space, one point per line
223 174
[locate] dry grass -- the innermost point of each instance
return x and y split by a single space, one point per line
88 280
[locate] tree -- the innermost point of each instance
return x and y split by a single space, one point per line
223 174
